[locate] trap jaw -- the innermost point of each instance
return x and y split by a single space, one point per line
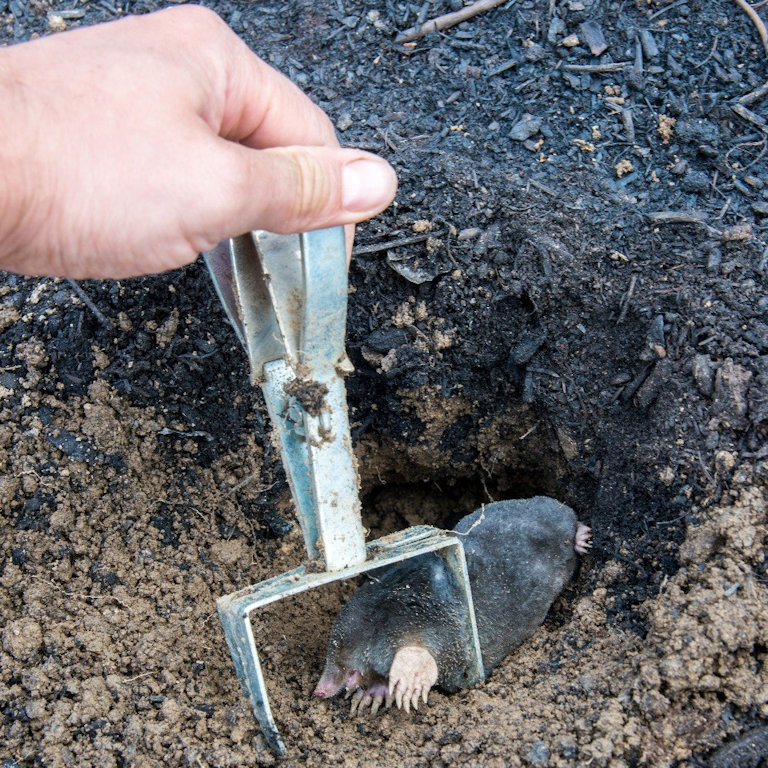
286 296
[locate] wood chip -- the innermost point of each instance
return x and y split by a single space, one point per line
592 34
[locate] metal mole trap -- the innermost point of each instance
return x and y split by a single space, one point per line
286 296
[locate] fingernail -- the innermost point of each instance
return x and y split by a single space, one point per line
367 185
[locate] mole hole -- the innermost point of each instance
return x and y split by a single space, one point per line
442 502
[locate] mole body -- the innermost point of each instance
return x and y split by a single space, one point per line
401 633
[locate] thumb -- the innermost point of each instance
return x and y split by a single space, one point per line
301 188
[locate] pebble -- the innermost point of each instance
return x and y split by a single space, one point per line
592 34
72 446
695 181
652 387
526 127
650 49
539 754
654 340
731 385
526 347
704 374
344 122
556 30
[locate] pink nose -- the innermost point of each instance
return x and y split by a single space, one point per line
320 693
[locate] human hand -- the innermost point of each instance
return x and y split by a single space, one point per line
130 147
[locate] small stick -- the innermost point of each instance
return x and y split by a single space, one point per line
447 20
753 96
678 217
626 300
626 119
756 20
83 296
665 9
542 187
614 66
503 67
681 217
378 247
749 115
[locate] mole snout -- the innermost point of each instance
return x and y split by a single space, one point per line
401 635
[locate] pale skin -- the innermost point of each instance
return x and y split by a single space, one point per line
130 147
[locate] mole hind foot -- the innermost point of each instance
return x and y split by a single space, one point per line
412 674
583 539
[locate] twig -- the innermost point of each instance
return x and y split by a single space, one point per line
678 217
542 187
626 300
763 144
614 66
711 53
724 209
626 119
749 115
503 67
756 20
379 247
753 96
249 479
447 20
385 138
665 9
83 296
683 217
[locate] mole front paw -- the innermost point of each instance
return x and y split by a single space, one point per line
412 674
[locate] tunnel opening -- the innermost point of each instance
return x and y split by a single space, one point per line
638 521
441 501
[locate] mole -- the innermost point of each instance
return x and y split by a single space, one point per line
401 633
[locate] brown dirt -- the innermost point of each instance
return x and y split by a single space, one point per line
551 337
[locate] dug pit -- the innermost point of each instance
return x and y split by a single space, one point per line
527 319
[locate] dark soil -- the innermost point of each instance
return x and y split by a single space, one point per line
583 313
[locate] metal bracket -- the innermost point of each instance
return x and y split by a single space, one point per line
286 296
235 610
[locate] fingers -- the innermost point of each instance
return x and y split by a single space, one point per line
253 106
297 189
203 137
246 100
359 700
263 108
373 696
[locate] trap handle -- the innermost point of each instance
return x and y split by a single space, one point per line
286 296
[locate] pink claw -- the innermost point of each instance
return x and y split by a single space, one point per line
583 541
